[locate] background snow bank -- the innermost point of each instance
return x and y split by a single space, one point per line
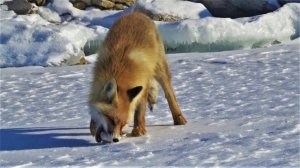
24 44
218 34
59 32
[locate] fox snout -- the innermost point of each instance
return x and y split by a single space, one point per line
102 136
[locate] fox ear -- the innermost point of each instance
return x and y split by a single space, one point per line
110 90
132 93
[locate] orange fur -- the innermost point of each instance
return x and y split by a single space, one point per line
132 55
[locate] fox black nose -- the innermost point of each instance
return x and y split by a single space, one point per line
115 139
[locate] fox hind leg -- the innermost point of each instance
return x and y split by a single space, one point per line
164 79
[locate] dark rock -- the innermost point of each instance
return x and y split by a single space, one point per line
79 5
103 4
125 2
120 7
87 2
283 2
38 2
21 7
237 8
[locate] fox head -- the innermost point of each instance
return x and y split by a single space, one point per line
111 109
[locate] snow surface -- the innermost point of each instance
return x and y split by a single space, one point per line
59 32
242 109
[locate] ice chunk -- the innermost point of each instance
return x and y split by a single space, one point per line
217 34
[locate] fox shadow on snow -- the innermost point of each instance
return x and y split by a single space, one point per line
41 138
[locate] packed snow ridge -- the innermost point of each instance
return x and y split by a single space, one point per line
219 34
52 38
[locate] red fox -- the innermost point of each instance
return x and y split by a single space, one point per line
130 64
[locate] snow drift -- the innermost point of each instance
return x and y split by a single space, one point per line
24 44
219 34
172 9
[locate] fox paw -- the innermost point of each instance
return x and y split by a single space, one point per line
180 120
138 131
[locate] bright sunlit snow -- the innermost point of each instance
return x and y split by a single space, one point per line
175 8
219 34
242 109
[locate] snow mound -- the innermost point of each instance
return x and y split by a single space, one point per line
173 8
55 35
24 44
4 14
219 34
